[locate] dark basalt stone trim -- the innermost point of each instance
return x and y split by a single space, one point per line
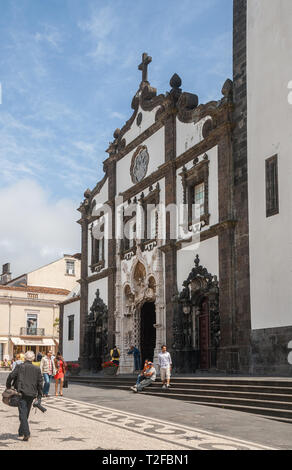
149 105
213 231
202 147
269 351
97 266
218 114
98 186
104 273
134 143
242 308
61 326
195 115
83 292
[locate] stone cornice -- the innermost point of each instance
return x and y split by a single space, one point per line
28 302
70 301
209 233
104 273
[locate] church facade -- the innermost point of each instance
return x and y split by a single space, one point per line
171 241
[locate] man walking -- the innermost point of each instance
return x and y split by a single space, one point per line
27 379
48 369
165 364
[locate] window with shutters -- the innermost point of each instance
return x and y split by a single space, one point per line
272 187
71 328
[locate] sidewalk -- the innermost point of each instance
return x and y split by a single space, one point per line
70 424
90 418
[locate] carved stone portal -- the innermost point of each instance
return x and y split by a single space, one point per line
196 325
97 334
139 314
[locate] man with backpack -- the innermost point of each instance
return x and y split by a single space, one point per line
115 355
26 379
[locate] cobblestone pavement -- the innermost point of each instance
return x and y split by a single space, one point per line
73 424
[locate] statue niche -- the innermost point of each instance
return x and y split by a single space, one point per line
97 333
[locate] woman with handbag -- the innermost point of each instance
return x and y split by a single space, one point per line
61 369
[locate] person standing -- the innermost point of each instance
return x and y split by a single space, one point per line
137 358
21 356
60 365
165 364
115 355
48 369
27 379
39 357
17 361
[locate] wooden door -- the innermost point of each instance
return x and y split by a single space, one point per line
204 335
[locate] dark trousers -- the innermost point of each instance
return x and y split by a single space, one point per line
137 362
24 407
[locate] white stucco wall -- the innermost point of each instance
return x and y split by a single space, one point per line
54 275
155 146
208 254
188 134
148 118
269 69
102 196
101 284
71 348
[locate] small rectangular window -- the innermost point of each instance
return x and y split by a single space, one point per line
70 327
70 267
199 197
272 189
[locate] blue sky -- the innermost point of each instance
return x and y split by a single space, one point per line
68 70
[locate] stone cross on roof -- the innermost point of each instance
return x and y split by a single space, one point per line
146 59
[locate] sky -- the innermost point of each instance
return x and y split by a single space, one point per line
68 73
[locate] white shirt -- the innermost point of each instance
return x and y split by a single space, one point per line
164 360
153 371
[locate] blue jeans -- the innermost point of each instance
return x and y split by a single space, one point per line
139 379
46 388
137 362
144 383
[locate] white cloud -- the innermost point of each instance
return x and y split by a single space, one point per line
49 35
115 114
35 230
102 23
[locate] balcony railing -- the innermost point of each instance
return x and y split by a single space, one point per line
32 331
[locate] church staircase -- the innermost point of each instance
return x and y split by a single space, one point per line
268 397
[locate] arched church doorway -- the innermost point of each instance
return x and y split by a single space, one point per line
204 334
148 332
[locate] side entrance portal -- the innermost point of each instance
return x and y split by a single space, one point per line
148 331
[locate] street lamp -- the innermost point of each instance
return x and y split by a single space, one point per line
186 308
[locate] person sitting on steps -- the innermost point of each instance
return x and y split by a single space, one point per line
149 378
141 375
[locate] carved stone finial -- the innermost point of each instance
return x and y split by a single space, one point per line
197 261
227 90
175 81
87 193
117 133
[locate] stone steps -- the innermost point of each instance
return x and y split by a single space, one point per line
271 397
